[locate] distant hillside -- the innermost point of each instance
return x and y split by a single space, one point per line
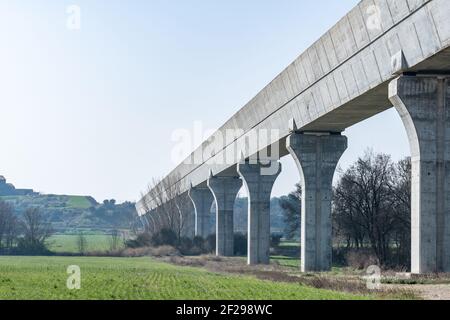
67 213
8 189
81 202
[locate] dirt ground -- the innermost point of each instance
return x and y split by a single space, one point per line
343 280
434 291
426 291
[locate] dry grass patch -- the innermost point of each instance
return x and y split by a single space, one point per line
347 281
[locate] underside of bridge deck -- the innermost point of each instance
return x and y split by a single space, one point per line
350 74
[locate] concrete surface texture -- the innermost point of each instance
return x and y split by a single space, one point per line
316 156
259 188
424 105
383 53
202 199
224 190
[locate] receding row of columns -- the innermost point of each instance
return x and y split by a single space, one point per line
423 103
316 155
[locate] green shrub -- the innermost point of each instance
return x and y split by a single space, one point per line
165 237
31 248
185 246
198 242
275 240
210 243
142 240
240 244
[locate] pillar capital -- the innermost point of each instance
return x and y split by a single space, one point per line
224 189
262 170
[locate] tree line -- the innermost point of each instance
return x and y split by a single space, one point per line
370 211
173 222
25 234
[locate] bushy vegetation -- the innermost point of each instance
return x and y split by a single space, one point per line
240 244
372 210
275 240
371 213
185 245
167 237
24 235
291 207
71 213
32 233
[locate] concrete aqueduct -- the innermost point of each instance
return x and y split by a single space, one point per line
382 54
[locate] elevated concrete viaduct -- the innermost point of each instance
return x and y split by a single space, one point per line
382 54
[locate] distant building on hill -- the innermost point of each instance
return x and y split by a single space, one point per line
8 189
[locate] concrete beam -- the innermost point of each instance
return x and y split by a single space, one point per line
339 81
202 199
259 187
224 190
423 103
316 157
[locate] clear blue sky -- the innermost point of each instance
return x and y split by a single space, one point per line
92 111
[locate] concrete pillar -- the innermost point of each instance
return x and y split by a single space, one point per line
316 156
259 187
202 199
224 190
423 103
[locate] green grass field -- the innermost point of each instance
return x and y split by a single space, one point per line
80 202
67 243
286 261
10 198
45 278
292 244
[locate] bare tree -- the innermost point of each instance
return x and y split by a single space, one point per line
364 203
81 242
172 207
114 240
36 230
12 231
401 191
348 224
291 206
9 226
